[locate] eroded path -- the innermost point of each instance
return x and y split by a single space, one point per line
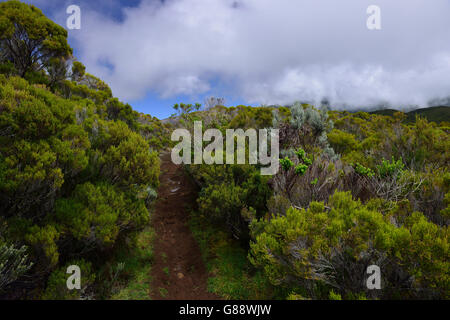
178 271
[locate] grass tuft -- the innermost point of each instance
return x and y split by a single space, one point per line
232 275
134 284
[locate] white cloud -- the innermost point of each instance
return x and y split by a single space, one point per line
274 51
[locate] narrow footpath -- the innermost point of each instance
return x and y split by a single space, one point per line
178 271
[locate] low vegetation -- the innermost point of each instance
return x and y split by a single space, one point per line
78 168
79 171
354 189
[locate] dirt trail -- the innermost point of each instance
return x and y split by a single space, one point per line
178 271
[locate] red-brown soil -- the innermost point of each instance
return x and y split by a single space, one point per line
178 271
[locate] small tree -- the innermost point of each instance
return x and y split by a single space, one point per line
29 39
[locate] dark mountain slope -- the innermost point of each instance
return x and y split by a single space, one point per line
435 114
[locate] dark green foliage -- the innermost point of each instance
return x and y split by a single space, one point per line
236 199
73 176
7 68
436 114
95 214
78 71
28 39
231 194
57 287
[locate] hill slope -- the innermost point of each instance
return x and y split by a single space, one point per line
435 114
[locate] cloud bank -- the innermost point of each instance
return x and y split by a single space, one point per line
273 52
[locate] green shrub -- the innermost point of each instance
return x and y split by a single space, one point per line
57 283
97 213
286 163
360 169
342 142
390 168
330 248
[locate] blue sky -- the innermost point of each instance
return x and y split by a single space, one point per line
156 53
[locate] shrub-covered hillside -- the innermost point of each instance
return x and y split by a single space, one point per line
78 168
435 114
353 190
79 172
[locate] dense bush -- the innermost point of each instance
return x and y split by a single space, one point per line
235 199
314 239
79 170
76 167
329 247
73 177
28 39
57 287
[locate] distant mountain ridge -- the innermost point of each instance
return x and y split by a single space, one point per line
436 114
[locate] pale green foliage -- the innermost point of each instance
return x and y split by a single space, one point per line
307 128
13 263
297 115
